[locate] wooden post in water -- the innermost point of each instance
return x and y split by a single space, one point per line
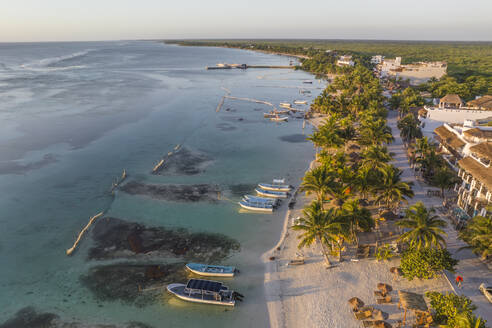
81 234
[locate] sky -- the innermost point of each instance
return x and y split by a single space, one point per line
93 20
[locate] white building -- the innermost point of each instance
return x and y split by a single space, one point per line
378 59
345 61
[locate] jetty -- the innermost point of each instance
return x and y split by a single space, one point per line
81 234
246 66
119 181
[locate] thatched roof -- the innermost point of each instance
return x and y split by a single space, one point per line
355 303
483 149
448 138
384 287
412 301
483 103
478 133
477 170
451 99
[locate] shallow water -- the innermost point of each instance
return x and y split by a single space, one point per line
74 115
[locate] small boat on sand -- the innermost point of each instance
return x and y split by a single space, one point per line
279 118
300 102
211 270
271 193
277 185
267 200
256 206
204 291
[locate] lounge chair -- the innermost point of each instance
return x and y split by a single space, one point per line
296 262
383 300
361 315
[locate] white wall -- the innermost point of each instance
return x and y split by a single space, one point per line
456 115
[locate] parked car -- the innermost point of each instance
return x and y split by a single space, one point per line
487 291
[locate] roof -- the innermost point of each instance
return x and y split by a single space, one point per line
478 133
208 285
479 172
451 99
484 102
449 138
412 301
483 149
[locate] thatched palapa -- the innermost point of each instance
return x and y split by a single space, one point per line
448 138
483 149
477 170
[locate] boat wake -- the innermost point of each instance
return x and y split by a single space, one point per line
59 63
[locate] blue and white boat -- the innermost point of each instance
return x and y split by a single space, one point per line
211 270
277 185
256 206
204 291
271 193
267 200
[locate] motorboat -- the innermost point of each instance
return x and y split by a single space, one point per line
271 193
256 206
211 270
285 105
279 118
300 102
267 200
204 291
277 185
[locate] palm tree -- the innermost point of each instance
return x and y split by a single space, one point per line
409 128
445 179
339 193
318 226
478 234
375 133
375 158
392 190
317 181
363 182
425 228
359 218
328 135
422 146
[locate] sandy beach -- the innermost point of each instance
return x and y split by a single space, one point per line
311 295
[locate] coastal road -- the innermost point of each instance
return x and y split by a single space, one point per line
473 271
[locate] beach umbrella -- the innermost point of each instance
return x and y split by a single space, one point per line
384 287
356 303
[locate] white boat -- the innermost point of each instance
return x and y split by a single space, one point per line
211 270
269 115
203 291
272 201
271 193
277 185
279 118
256 206
285 105
300 102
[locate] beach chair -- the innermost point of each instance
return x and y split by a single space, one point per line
361 315
384 300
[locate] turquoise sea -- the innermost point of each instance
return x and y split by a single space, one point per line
74 115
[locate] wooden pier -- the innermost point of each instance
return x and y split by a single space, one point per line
245 66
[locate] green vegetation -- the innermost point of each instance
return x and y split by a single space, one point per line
454 311
384 253
478 234
426 263
425 228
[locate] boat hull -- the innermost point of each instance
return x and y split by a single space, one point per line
274 188
177 290
256 209
196 270
273 194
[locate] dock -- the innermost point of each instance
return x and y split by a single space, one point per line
246 66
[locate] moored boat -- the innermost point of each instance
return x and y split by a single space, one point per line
285 105
300 102
211 270
271 193
279 118
256 206
204 291
272 201
277 185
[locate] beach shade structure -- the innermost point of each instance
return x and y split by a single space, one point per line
385 288
413 302
379 315
388 215
396 271
355 303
